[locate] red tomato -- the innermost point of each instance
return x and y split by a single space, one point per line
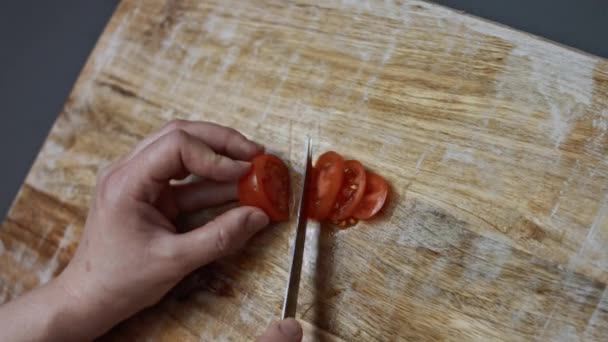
351 192
376 192
266 186
325 183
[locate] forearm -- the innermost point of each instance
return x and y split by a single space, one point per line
49 313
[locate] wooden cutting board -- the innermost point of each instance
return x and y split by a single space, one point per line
495 144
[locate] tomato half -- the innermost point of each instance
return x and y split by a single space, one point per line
376 192
325 183
351 191
266 186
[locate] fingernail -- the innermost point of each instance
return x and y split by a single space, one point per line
243 164
252 147
290 328
258 147
257 220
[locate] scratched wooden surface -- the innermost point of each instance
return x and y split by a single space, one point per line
495 144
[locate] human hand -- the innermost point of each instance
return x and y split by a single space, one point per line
288 330
130 254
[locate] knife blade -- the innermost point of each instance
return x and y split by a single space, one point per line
293 282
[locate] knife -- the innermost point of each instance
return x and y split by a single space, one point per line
293 282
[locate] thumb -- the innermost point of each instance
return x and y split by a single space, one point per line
225 234
288 330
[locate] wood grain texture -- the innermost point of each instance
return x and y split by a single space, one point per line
495 144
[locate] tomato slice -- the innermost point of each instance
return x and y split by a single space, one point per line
351 191
325 184
266 186
376 192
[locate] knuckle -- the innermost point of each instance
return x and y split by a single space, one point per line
170 252
224 241
161 248
175 124
108 186
233 132
178 137
165 250
234 136
214 158
103 172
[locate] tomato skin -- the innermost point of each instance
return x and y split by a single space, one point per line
267 187
376 193
340 191
325 184
248 190
351 191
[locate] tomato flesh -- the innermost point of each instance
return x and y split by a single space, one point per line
275 181
339 191
267 187
326 181
376 192
351 191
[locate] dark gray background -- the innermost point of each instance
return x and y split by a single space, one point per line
44 44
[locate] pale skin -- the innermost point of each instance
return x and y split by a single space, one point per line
130 254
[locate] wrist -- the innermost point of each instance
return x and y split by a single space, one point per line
50 313
72 315
68 316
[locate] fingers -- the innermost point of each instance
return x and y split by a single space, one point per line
198 195
223 140
175 155
225 234
288 330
